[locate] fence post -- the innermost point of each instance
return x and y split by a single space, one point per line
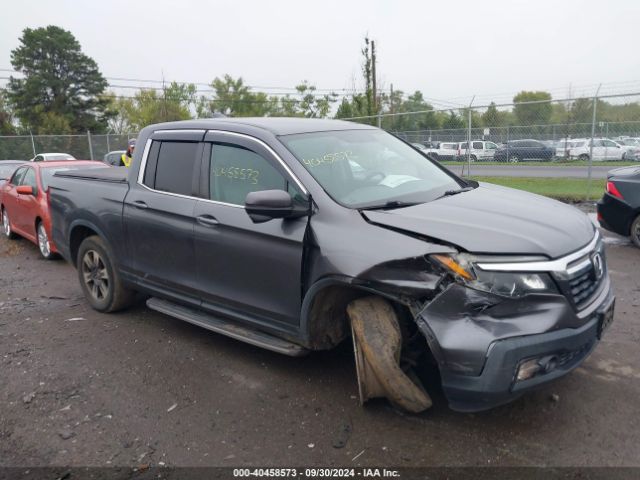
33 144
108 146
593 132
469 140
380 119
90 146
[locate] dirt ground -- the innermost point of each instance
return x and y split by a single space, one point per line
86 389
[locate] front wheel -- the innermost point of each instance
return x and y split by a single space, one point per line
43 242
635 231
6 225
514 159
99 279
584 157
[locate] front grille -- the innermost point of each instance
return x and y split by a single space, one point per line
583 284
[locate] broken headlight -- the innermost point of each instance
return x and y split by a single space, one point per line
507 284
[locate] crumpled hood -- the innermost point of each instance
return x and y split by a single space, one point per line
495 220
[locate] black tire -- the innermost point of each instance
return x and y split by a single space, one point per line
100 281
513 158
635 231
44 245
6 226
473 158
584 157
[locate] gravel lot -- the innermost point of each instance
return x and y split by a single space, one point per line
86 389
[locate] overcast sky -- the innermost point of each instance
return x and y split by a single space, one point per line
450 50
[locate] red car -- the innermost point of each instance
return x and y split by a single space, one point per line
24 204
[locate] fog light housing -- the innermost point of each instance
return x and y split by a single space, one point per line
535 366
528 369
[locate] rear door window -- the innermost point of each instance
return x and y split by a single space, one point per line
171 169
477 145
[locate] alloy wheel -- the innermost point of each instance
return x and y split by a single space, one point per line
95 274
43 241
514 159
6 226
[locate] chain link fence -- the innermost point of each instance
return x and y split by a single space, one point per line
85 147
569 129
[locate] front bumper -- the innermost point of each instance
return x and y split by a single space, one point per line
479 353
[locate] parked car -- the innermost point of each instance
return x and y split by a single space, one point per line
52 157
24 205
563 147
631 147
619 208
7 167
113 158
603 149
443 151
518 150
480 150
258 229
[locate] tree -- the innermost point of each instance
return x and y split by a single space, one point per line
494 117
232 97
537 113
173 102
453 122
59 83
7 126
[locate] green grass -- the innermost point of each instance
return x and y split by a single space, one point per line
574 163
567 189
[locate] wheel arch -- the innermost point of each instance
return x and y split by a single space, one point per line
78 231
323 321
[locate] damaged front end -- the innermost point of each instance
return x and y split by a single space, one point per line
493 334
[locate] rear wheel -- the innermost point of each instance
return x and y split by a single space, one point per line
43 242
513 158
583 157
100 281
6 225
635 231
473 158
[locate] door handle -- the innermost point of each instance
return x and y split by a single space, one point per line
207 220
140 204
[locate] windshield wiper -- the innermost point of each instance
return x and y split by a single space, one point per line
448 193
391 205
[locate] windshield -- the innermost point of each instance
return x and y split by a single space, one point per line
49 172
369 168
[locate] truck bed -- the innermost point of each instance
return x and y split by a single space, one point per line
107 174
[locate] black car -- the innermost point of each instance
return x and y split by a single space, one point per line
619 208
297 235
517 150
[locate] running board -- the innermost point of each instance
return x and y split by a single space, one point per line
233 330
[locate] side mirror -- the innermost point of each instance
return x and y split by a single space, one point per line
265 205
24 190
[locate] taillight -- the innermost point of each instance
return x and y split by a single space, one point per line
613 190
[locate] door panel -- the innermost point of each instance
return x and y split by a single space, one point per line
28 205
159 225
248 267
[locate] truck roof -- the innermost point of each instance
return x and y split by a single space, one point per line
275 125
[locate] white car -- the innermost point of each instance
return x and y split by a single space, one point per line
603 149
480 150
563 147
442 151
52 157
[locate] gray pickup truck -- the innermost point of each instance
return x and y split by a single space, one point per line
299 234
